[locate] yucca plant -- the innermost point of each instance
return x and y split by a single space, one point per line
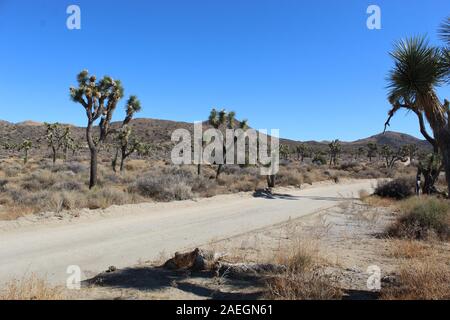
419 69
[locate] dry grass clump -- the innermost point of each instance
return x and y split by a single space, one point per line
304 278
423 279
422 218
408 249
30 288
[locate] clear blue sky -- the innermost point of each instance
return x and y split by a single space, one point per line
308 67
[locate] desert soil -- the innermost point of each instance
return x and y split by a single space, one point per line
126 235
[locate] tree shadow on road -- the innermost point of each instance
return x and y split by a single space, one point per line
203 284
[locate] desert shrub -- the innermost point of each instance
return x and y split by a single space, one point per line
106 197
422 218
400 188
164 187
350 166
3 183
69 185
289 177
420 280
12 171
75 167
319 160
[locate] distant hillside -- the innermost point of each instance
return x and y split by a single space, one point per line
159 132
393 139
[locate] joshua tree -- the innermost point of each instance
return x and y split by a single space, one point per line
284 151
123 136
54 135
25 146
99 99
391 156
359 152
68 143
372 149
301 151
224 119
412 151
334 150
419 69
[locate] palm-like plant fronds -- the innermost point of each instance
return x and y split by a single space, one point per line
444 31
418 68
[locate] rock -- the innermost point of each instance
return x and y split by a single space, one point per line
111 269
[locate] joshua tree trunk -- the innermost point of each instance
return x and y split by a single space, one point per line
219 168
93 150
122 159
25 158
445 150
114 161
271 181
54 155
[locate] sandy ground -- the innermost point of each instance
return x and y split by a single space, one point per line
345 237
126 235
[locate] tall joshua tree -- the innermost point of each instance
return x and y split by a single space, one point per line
68 143
334 150
99 99
419 69
226 120
54 135
126 148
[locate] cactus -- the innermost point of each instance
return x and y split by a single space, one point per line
99 99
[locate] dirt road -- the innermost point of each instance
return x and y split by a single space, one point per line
123 235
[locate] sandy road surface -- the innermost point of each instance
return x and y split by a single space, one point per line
123 235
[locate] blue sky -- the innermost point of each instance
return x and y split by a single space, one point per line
308 67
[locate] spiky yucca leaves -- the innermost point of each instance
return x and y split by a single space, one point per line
418 70
444 33
132 106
